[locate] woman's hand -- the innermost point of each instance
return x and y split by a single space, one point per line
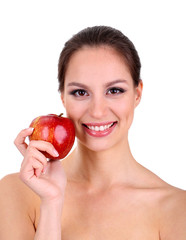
46 178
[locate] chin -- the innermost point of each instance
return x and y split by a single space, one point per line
97 146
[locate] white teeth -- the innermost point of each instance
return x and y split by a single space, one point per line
100 128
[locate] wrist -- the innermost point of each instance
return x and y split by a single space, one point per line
52 210
54 198
52 203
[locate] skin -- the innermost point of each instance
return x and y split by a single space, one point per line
99 191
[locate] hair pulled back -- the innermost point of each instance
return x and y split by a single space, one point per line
98 36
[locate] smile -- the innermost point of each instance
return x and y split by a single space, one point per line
99 129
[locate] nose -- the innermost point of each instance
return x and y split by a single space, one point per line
98 107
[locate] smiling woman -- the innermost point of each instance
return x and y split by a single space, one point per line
99 191
105 94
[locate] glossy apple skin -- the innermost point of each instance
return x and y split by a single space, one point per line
55 129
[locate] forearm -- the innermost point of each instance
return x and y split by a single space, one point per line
49 226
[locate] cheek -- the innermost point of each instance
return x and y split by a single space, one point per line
126 111
74 110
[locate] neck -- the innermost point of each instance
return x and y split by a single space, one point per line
103 168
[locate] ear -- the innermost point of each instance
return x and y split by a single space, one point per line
138 93
62 99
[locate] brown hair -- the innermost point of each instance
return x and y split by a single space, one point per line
97 36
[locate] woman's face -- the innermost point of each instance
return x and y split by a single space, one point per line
100 97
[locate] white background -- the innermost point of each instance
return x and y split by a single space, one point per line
32 36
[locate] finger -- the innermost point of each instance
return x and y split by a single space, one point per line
38 172
20 140
30 168
35 153
43 146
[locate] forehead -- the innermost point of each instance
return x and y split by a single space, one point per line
92 64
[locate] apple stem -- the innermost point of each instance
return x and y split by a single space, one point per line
60 115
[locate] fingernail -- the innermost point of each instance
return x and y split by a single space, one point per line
31 129
56 153
44 170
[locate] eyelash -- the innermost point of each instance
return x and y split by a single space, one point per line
115 89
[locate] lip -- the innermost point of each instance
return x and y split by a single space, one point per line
104 133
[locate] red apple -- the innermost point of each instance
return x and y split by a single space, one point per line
55 129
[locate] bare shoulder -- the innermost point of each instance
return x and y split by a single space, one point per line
12 187
172 207
17 207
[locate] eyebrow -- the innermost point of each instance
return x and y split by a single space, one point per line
106 85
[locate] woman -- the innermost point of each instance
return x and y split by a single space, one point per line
99 191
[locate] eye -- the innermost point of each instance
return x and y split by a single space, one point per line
115 91
79 93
